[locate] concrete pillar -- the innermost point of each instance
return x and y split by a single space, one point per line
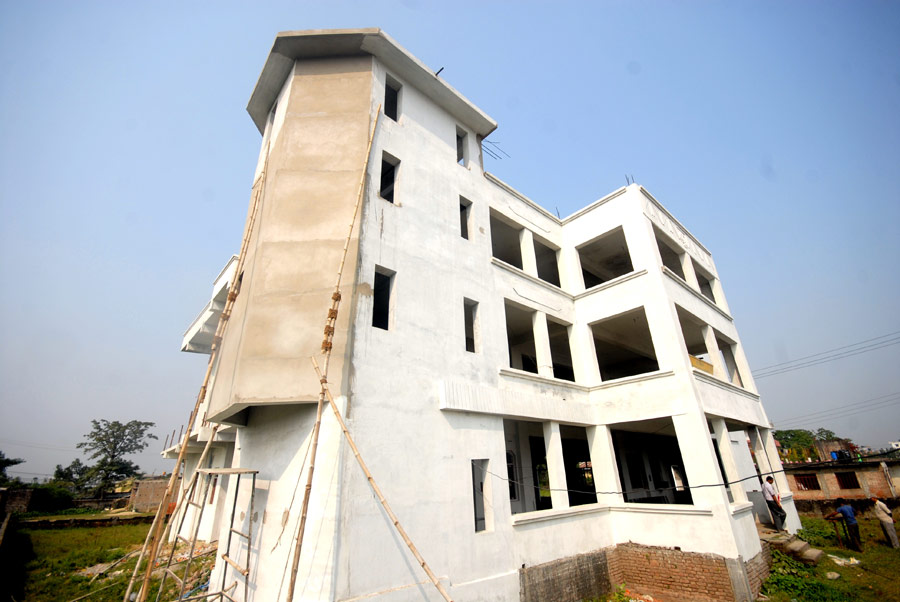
774 461
529 259
731 470
712 348
759 450
556 466
584 355
570 277
743 367
603 465
699 459
719 294
542 344
690 276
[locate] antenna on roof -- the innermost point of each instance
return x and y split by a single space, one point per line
557 213
438 72
626 180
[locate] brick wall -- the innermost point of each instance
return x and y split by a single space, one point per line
871 477
19 500
670 574
568 579
146 494
758 568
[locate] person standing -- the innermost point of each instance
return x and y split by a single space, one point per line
773 501
845 510
883 514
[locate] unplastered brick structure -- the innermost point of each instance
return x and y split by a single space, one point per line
551 406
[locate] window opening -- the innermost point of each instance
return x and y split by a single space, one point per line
526 459
391 98
560 351
649 461
505 244
605 258
461 150
669 253
389 167
705 281
481 489
465 210
381 298
212 488
624 346
847 480
577 461
470 309
694 341
722 472
547 262
807 482
726 352
520 337
512 475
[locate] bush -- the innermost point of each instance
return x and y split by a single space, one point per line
798 580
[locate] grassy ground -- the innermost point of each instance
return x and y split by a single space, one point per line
44 565
875 578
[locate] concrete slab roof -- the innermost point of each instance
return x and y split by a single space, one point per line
290 46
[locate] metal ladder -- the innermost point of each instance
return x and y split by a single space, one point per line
197 518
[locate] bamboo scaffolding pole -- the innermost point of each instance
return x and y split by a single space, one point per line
330 322
155 541
375 488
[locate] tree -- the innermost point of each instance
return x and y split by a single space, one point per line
108 443
825 435
76 477
6 463
796 444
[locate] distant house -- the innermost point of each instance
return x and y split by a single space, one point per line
847 479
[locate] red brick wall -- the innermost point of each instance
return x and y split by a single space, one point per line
758 568
669 574
870 476
146 495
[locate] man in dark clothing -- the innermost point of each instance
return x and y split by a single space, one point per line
845 511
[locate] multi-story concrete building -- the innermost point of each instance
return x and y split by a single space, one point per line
550 405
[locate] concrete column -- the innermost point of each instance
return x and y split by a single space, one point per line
603 465
529 259
715 357
690 276
731 470
743 367
570 277
699 459
556 466
584 355
774 461
719 294
759 450
542 344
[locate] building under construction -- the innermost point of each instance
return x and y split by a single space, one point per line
535 408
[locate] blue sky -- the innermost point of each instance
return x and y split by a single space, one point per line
770 129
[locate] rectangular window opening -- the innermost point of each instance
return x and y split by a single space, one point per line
465 213
807 482
505 244
669 252
481 496
847 480
461 147
381 298
726 352
526 466
520 337
389 167
692 331
560 350
391 98
649 461
605 258
470 309
624 346
705 281
547 262
577 461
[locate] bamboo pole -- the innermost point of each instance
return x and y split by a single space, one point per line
154 541
330 322
376 489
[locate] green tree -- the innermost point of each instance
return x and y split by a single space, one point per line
75 477
825 435
796 444
108 443
6 463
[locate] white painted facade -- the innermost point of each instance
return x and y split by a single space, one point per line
451 429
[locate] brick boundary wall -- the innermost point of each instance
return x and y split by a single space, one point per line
574 578
668 574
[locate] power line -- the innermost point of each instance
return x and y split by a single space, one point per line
827 359
884 336
878 399
853 413
37 445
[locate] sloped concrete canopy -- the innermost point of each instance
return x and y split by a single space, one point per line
290 46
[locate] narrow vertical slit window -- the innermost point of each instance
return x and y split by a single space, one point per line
470 309
389 167
481 496
465 212
461 144
381 298
391 98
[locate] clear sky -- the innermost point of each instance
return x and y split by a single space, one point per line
770 129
